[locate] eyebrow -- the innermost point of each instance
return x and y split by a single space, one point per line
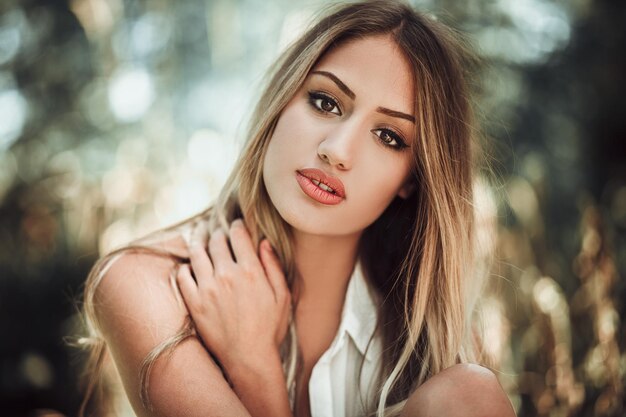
350 93
337 81
394 113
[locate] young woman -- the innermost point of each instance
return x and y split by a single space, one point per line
335 274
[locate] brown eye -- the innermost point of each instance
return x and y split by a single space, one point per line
324 103
390 139
386 137
327 105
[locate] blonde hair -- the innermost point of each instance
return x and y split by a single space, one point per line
425 276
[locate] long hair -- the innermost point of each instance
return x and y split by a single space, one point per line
426 278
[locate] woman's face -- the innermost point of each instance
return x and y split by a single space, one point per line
352 120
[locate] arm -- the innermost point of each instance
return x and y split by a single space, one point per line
137 310
463 390
240 306
261 386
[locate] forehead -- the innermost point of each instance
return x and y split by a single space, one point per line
373 67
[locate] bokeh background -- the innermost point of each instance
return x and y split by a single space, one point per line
118 117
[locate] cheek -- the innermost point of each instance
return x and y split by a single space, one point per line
376 199
279 147
294 136
286 146
363 212
377 188
386 173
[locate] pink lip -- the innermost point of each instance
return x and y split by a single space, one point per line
304 177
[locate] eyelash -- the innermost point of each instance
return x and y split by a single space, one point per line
314 96
394 136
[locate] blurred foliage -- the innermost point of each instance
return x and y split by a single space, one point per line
118 117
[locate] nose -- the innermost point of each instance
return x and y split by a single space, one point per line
340 144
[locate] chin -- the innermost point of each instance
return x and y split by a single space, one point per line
318 225
303 223
306 216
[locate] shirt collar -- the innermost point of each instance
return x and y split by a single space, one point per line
358 318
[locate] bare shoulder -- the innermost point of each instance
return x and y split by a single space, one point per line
137 309
467 390
138 282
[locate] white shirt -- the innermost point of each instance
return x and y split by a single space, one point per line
333 383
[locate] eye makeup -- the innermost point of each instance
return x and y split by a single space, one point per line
324 103
387 136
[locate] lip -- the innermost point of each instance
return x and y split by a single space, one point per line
304 177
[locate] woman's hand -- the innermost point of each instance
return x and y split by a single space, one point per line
240 306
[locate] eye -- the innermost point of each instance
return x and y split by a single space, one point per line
324 103
390 138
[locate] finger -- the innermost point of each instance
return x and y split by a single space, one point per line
219 251
200 263
273 270
243 248
187 286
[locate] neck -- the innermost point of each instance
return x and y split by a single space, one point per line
325 264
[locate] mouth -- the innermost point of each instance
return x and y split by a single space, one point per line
324 181
316 185
323 186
